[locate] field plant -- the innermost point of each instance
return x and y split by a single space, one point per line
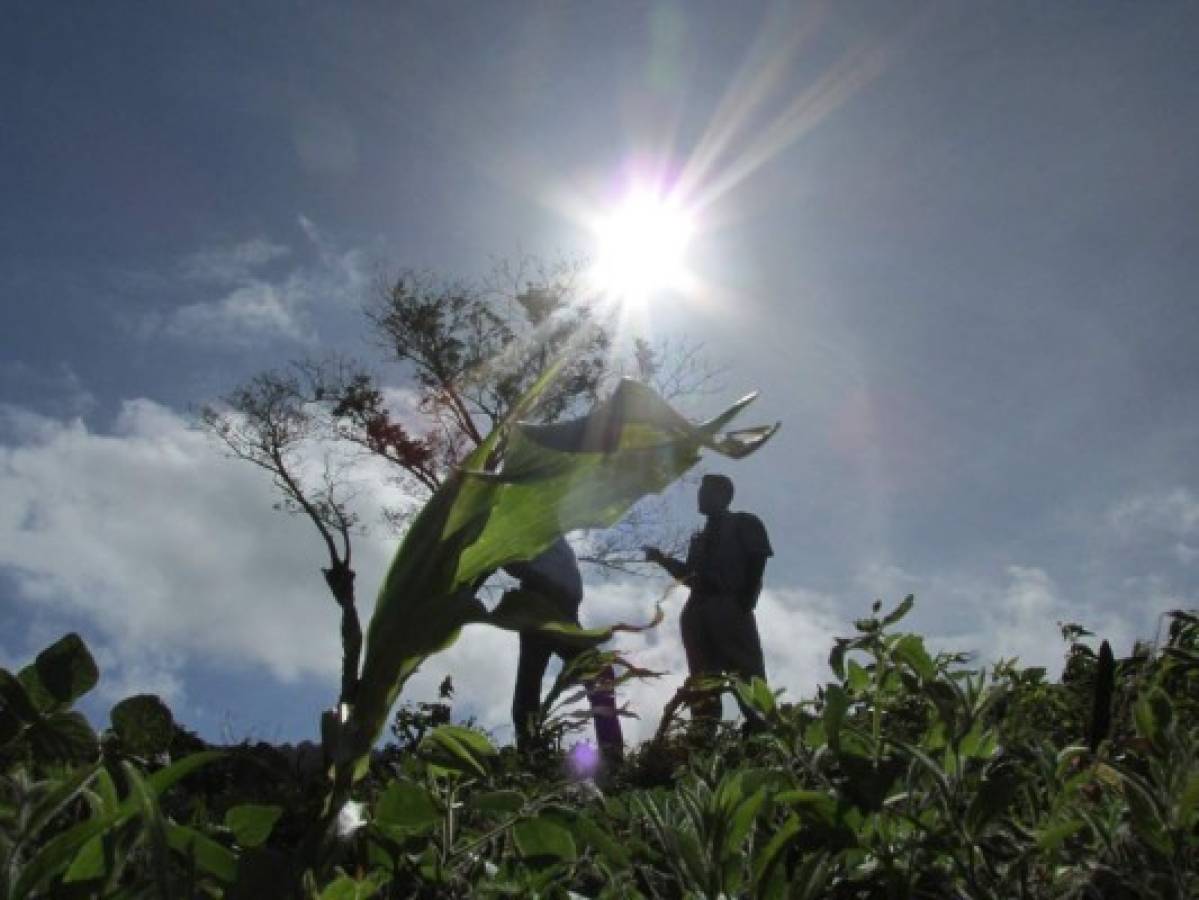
908 774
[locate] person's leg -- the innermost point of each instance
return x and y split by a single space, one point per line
526 697
701 658
601 694
740 649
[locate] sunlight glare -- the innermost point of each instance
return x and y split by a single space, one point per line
642 245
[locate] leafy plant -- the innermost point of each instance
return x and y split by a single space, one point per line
523 487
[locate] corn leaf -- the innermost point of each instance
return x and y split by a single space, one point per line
550 479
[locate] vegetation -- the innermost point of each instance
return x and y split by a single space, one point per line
909 774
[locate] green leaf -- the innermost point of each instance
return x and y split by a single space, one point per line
836 657
554 478
252 823
61 849
910 650
1154 714
57 853
89 863
1188 801
815 805
458 749
769 856
1052 836
498 802
543 838
210 857
153 824
978 742
407 805
995 794
520 610
858 678
602 841
65 737
742 820
17 701
900 611
144 724
836 704
346 888
59 794
65 670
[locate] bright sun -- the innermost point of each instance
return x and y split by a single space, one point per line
642 244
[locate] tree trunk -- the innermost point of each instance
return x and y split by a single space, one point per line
340 579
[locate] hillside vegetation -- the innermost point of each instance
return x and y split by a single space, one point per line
907 775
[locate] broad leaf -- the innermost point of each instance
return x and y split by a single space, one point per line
346 888
498 802
252 823
89 863
65 737
543 838
458 749
144 724
61 849
61 674
209 856
407 805
553 479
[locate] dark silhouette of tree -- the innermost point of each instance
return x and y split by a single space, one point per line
270 421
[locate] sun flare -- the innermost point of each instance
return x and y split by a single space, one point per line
642 246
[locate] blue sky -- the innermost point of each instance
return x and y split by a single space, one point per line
954 246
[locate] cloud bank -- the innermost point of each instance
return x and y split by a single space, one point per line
173 556
263 290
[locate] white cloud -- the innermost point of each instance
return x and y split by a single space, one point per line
234 264
172 554
1011 613
256 309
1175 512
168 548
254 305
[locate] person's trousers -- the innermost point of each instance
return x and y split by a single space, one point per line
535 652
720 637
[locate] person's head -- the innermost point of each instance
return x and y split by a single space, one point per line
715 494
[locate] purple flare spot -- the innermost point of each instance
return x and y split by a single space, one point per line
583 760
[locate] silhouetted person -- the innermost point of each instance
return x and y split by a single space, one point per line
555 575
724 569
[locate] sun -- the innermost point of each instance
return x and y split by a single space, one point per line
642 246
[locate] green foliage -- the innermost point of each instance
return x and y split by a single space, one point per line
143 724
907 775
553 478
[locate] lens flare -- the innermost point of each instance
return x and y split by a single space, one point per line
642 246
584 760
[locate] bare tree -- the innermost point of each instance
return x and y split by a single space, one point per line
271 421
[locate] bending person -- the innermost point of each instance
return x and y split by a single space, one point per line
724 567
555 575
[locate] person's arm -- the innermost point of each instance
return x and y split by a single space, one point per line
676 568
754 570
756 545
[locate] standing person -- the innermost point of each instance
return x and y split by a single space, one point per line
555 575
724 568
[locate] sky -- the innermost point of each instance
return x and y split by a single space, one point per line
955 246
